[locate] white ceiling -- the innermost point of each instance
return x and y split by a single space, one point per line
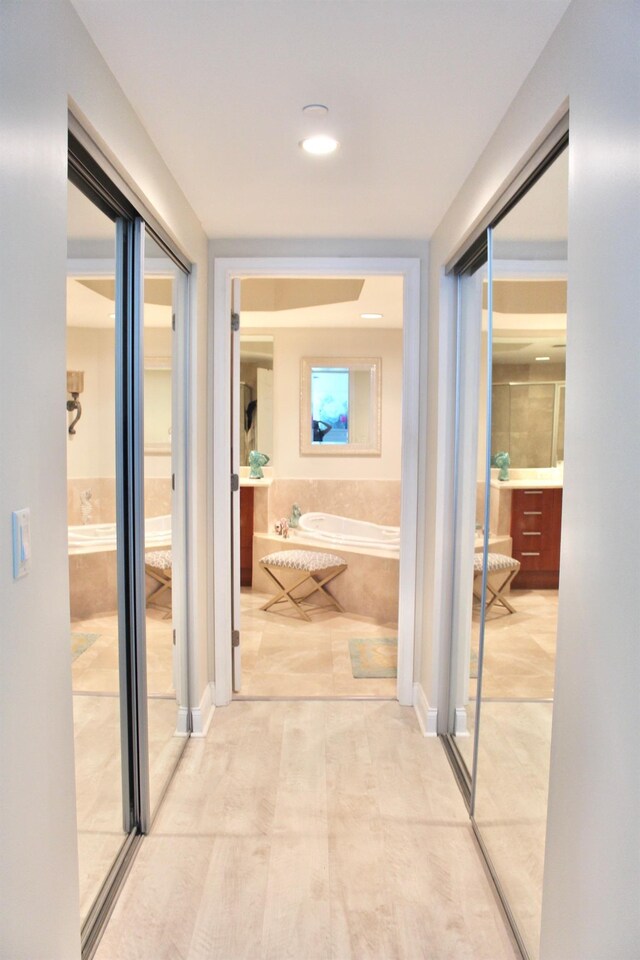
378 295
415 90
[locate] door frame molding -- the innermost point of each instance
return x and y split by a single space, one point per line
224 270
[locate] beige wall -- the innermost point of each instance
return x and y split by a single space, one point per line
91 452
289 347
46 57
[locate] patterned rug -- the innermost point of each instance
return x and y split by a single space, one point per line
374 657
81 642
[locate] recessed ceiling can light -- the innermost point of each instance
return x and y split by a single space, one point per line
543 358
371 316
316 109
320 145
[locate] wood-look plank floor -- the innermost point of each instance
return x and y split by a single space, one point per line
310 830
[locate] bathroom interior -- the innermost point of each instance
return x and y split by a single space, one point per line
510 441
96 635
318 389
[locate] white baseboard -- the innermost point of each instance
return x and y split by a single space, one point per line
427 716
202 715
460 723
182 723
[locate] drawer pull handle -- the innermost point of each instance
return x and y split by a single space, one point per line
530 493
525 554
532 513
532 533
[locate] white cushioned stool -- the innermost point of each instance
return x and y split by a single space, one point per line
496 563
158 565
316 570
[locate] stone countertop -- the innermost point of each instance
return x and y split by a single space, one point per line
542 478
250 482
517 484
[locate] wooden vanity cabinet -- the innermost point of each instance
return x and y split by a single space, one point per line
246 536
536 516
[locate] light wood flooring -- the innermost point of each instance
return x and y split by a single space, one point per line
96 713
514 748
313 831
285 656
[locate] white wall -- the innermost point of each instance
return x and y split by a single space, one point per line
45 57
592 873
289 346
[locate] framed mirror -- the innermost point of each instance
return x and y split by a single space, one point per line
340 399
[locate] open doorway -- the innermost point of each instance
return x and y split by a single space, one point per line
321 402
324 360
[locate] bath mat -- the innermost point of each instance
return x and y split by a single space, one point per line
374 657
81 642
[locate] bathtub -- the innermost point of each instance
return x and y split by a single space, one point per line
330 529
101 537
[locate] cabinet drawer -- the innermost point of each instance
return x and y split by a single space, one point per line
535 529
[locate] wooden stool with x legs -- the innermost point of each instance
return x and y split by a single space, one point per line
314 570
499 564
158 566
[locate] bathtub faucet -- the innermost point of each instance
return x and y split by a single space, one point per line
296 513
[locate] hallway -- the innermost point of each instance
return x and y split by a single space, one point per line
310 830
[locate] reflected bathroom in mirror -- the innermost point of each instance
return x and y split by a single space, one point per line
157 406
340 406
256 396
528 398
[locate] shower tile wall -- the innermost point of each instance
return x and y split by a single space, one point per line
522 412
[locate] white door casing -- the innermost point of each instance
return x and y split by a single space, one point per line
226 270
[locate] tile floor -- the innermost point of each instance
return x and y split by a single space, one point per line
285 656
514 748
96 713
312 831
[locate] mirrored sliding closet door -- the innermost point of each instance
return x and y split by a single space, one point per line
512 318
126 435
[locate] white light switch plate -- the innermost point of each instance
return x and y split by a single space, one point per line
21 520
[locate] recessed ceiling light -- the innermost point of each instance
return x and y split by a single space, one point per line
371 316
316 109
112 316
320 145
543 358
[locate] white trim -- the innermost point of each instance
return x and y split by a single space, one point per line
202 715
460 727
224 269
427 716
182 725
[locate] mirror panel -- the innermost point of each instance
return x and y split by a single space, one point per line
340 406
526 306
256 396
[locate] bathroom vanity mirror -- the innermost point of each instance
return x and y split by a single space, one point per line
157 406
340 406
256 396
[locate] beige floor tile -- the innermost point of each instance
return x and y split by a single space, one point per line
283 655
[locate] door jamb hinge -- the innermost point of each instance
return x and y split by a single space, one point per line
235 638
235 483
235 322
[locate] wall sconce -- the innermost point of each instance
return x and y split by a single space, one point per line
75 386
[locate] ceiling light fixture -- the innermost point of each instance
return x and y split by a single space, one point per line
371 316
543 358
319 143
